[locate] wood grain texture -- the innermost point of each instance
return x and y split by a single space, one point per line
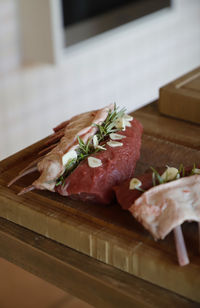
168 128
95 282
181 98
107 233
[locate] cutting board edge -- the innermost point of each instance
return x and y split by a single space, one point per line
128 257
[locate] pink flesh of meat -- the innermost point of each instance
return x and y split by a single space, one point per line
51 166
164 207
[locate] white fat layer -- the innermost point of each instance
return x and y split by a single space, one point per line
166 206
69 156
81 125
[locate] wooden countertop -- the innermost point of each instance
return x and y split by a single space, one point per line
99 284
168 128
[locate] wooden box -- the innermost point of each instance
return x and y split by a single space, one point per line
181 98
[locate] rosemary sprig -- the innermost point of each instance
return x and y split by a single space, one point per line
140 189
86 149
107 127
156 177
181 170
71 165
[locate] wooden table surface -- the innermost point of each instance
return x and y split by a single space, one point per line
93 281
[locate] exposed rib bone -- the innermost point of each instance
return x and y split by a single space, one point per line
22 175
180 247
44 151
61 126
32 164
54 138
26 189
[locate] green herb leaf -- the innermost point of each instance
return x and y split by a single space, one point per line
140 189
86 149
108 126
181 170
156 176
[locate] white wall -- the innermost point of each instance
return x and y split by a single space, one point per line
126 65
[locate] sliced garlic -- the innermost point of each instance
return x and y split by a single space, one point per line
95 141
115 136
94 162
127 117
170 174
127 123
69 156
120 124
196 171
123 122
134 183
100 147
114 144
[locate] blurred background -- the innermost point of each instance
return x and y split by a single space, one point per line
63 57
60 58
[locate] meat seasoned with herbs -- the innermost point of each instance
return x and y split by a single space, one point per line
113 165
91 141
161 203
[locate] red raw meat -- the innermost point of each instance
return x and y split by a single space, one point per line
163 208
125 196
118 164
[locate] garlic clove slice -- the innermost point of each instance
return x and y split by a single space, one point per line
196 171
134 183
114 144
127 123
120 124
115 136
127 117
95 141
100 147
94 162
170 174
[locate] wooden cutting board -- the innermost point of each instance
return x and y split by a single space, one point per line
181 97
107 233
